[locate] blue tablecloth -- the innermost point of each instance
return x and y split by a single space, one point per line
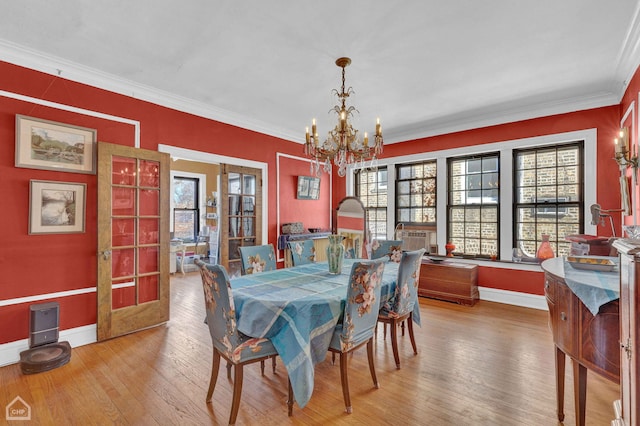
298 308
593 288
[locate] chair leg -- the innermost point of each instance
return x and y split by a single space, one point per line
273 364
344 378
372 367
262 367
394 342
228 370
237 392
214 374
384 328
411 336
333 358
290 400
402 326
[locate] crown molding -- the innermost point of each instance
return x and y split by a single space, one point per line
49 64
629 60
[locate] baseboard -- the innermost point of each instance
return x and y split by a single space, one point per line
79 336
525 300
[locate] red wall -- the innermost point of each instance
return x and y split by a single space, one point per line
312 213
40 264
607 122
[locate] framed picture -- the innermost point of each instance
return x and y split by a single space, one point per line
308 188
56 207
43 144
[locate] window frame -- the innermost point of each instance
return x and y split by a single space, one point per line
397 182
202 182
588 136
548 207
473 205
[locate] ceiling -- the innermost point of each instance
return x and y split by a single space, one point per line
424 67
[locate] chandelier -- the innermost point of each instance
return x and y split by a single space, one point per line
343 145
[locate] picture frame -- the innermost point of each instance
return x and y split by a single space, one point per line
56 207
48 145
308 188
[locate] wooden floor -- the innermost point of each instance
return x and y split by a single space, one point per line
490 364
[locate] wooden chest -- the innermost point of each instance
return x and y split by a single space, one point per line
448 280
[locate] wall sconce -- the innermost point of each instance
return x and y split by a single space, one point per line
624 156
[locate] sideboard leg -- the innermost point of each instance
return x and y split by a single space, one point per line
560 364
580 391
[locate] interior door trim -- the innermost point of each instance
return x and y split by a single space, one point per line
207 157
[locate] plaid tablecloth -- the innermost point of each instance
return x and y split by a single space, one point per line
298 308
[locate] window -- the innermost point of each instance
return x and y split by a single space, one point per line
473 204
186 212
548 196
416 193
371 189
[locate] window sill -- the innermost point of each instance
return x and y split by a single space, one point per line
499 264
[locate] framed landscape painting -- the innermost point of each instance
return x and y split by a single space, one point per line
56 207
44 144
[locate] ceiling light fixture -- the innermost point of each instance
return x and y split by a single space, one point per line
343 146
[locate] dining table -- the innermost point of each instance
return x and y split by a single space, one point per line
298 308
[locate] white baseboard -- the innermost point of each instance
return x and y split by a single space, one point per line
525 300
79 336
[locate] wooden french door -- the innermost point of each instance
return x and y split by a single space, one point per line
240 213
133 239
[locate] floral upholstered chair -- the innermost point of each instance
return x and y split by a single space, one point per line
390 248
359 319
228 342
302 252
257 259
400 306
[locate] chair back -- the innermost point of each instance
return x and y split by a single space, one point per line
363 303
302 252
390 248
257 259
221 312
406 293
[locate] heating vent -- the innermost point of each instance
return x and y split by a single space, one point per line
414 240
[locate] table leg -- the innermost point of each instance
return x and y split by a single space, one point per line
580 391
560 364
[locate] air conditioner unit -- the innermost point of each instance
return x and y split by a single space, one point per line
416 239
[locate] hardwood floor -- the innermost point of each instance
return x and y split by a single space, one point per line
490 364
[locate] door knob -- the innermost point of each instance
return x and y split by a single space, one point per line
106 254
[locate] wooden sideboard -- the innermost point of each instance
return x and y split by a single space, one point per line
590 341
449 280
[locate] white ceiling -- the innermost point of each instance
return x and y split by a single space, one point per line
424 67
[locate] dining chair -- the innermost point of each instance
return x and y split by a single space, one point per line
359 319
257 259
302 252
400 306
236 348
390 248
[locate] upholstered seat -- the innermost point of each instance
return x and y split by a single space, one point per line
257 259
302 252
390 248
228 342
400 306
359 319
